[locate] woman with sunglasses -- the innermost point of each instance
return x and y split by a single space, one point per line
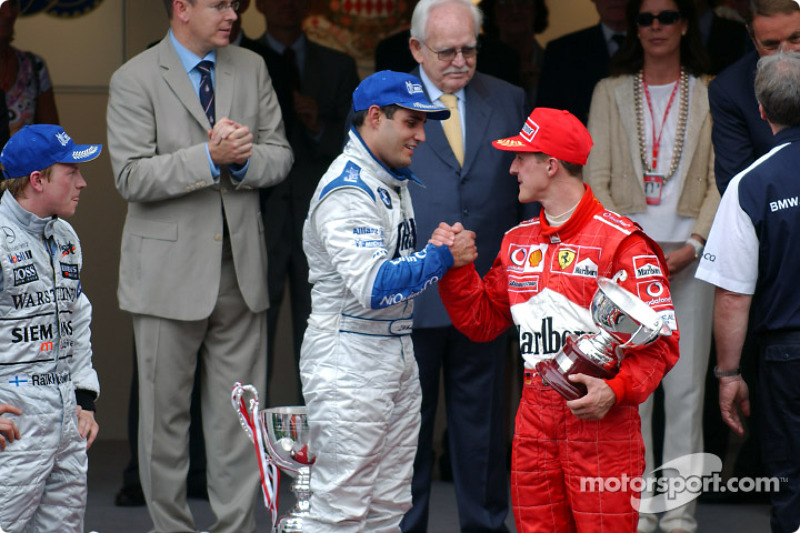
653 161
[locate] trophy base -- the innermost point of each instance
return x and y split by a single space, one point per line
291 523
569 361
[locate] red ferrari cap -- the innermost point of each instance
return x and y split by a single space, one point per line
554 132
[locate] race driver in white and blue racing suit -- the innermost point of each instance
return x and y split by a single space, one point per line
359 375
47 382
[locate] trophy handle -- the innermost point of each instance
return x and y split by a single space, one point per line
239 405
270 475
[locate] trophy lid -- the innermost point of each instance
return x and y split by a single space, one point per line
624 316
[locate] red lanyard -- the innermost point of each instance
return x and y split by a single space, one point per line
657 139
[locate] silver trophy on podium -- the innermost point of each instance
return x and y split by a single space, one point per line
624 321
280 435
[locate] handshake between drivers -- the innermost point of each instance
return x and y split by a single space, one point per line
460 241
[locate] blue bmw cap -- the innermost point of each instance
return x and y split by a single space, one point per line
396 88
39 146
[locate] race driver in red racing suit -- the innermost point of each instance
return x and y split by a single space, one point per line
575 464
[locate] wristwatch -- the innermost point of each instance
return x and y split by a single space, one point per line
726 373
697 245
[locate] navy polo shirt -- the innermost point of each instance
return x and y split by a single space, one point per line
754 243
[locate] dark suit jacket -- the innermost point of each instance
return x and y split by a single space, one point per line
727 42
330 77
279 74
739 134
572 66
495 58
482 195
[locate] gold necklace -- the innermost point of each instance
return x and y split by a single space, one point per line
680 132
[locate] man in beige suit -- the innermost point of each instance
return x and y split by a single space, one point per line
194 130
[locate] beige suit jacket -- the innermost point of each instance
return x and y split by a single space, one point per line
614 169
172 240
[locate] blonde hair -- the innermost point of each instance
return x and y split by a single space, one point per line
16 186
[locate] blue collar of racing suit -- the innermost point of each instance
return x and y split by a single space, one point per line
401 174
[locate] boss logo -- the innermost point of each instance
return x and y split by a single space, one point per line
25 274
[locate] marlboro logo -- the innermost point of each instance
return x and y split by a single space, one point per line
529 130
646 266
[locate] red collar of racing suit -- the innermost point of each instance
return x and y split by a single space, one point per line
588 207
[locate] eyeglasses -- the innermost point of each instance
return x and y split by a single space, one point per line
224 6
667 18
449 54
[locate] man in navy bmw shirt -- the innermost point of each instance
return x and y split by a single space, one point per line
751 256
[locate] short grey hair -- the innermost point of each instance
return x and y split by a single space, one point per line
419 20
776 85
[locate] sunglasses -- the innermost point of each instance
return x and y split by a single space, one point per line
665 18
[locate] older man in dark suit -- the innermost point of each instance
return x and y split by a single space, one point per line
465 181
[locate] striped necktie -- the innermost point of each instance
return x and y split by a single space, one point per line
206 90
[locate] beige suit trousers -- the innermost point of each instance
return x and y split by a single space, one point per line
231 344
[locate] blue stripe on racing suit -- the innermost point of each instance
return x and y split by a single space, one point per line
403 278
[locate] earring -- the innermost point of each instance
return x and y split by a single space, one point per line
683 33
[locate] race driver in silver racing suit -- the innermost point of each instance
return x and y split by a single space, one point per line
360 379
47 382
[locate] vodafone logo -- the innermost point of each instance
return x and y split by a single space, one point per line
655 289
517 255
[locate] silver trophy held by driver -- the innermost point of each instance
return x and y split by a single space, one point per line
280 436
624 321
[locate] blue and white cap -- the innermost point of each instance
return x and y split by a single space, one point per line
39 146
396 88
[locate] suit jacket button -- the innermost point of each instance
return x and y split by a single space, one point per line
218 237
